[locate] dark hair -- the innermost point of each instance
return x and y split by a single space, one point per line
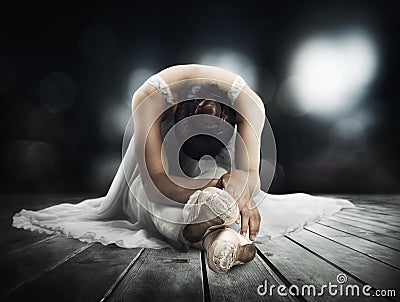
218 134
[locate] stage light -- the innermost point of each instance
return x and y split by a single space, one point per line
333 72
232 61
136 79
114 119
348 135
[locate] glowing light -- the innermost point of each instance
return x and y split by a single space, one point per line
263 82
348 129
232 61
103 170
136 79
348 134
333 72
286 98
114 120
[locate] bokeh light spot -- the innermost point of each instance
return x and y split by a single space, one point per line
232 61
334 71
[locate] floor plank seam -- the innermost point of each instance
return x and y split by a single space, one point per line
378 212
206 287
366 213
329 226
331 263
281 278
366 222
36 276
363 228
353 249
369 219
29 245
121 276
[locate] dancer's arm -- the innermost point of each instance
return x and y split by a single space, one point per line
244 182
250 123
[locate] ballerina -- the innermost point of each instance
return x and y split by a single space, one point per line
189 177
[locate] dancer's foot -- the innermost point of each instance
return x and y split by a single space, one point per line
214 209
226 248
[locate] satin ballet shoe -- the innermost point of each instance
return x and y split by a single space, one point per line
226 248
214 209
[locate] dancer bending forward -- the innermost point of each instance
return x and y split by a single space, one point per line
190 175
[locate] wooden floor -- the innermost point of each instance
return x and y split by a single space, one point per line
362 244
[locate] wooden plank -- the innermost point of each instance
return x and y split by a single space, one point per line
13 240
366 226
381 203
386 212
163 275
371 222
27 265
386 219
369 248
371 198
86 277
395 215
369 235
302 268
12 204
241 283
356 265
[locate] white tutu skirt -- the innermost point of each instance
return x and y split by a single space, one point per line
127 218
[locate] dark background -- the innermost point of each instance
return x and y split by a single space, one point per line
66 82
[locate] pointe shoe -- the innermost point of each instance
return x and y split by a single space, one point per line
226 248
214 209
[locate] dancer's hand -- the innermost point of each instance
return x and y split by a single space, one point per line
235 183
250 219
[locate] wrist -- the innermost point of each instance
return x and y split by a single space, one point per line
224 179
211 183
219 183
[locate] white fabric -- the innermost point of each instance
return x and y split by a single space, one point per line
236 88
119 218
158 82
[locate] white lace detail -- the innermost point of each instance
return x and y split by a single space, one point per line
194 92
225 254
158 82
236 88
